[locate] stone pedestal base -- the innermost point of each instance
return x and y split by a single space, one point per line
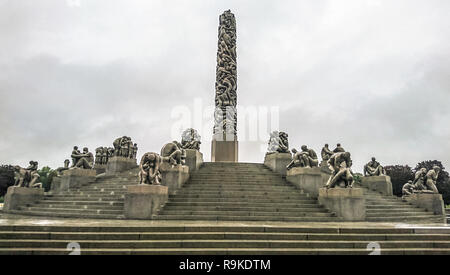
73 179
429 201
100 168
308 179
348 203
21 196
174 177
194 159
381 184
278 161
224 151
142 202
119 164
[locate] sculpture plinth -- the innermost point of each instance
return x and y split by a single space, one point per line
381 184
142 202
73 179
174 176
430 201
194 159
21 196
308 179
347 203
119 164
224 150
277 162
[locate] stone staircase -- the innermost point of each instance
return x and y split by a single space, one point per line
242 239
381 208
100 200
241 192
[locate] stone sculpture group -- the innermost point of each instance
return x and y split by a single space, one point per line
124 147
103 154
424 182
27 177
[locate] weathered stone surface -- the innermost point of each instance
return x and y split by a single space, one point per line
119 164
194 159
381 184
278 161
347 203
174 177
100 168
224 151
308 179
73 179
142 202
430 201
21 196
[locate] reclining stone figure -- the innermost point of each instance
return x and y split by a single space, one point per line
149 169
27 177
373 168
306 158
341 176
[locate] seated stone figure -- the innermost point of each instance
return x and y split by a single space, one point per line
326 153
419 179
408 189
173 153
278 143
296 160
85 160
149 169
306 158
342 175
61 169
74 155
432 177
339 149
190 139
373 168
27 177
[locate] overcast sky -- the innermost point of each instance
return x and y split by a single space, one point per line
371 74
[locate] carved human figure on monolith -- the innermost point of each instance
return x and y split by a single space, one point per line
432 177
190 139
373 168
98 155
85 160
341 175
326 153
173 153
278 143
149 169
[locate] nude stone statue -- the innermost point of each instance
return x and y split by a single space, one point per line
432 177
338 149
326 153
173 153
342 175
190 139
75 155
306 158
408 189
419 179
149 169
85 160
66 167
373 168
27 177
278 143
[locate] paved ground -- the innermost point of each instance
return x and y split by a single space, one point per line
25 220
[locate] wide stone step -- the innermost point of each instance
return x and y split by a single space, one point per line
68 215
258 199
70 210
384 207
95 244
100 203
71 206
203 204
242 193
245 218
224 188
240 196
96 193
398 214
243 213
84 198
404 219
81 196
313 208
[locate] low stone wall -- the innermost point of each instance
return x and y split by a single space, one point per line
142 202
174 177
21 196
194 159
277 162
380 184
348 203
100 168
119 164
308 179
73 179
431 202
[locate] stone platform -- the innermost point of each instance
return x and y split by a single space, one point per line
142 202
277 162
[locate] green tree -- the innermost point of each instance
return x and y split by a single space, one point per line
443 181
400 174
46 175
6 178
